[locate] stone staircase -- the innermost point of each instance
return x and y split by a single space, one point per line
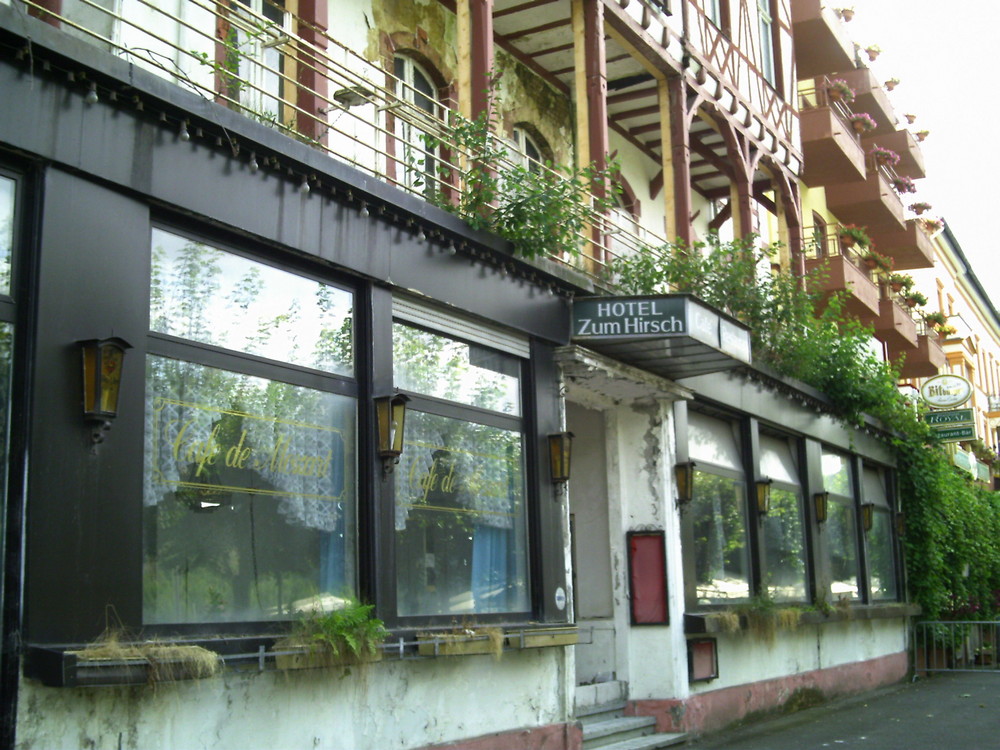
600 709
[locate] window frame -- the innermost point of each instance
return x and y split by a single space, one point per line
203 354
523 424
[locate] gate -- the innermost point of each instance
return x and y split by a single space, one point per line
955 646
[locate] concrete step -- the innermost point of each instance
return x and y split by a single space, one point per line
609 732
648 742
602 712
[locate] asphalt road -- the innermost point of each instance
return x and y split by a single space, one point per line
946 712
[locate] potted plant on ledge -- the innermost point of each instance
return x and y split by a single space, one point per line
876 261
920 207
914 298
885 156
935 319
903 185
838 90
862 122
852 235
900 282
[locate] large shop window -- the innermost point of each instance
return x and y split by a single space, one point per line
783 530
460 516
716 518
841 526
881 555
250 458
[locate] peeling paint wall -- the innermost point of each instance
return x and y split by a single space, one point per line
745 658
392 704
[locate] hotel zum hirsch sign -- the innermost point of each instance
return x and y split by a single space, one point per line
674 335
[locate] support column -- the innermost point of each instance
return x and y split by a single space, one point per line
741 196
481 63
591 95
475 55
312 76
676 159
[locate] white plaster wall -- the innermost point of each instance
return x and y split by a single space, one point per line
745 658
639 170
393 704
643 442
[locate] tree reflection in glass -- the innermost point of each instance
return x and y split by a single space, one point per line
718 517
784 547
881 558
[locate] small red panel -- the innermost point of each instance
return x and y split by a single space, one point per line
647 577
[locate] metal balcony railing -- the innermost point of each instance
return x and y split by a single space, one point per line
285 72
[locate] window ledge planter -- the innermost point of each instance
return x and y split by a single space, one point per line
543 637
700 623
465 642
304 656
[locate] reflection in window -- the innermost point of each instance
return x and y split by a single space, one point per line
836 474
461 546
783 535
438 366
881 558
721 558
879 540
248 496
7 188
201 293
841 526
842 535
784 547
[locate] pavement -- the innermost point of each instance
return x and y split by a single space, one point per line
949 711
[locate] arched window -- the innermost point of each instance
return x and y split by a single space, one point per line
414 158
255 38
527 151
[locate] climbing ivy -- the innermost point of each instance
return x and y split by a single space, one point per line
952 526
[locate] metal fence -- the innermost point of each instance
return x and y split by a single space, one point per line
955 646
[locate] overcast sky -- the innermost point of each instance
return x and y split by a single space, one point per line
946 56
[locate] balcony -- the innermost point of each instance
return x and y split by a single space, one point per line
871 97
926 361
873 203
911 158
821 42
909 248
837 269
895 326
832 151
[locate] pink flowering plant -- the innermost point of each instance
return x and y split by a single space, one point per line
863 122
838 88
904 185
884 155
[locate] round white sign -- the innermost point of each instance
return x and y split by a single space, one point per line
560 598
946 390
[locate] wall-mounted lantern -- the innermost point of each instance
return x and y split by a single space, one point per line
560 453
821 500
763 495
684 474
867 516
102 378
390 418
